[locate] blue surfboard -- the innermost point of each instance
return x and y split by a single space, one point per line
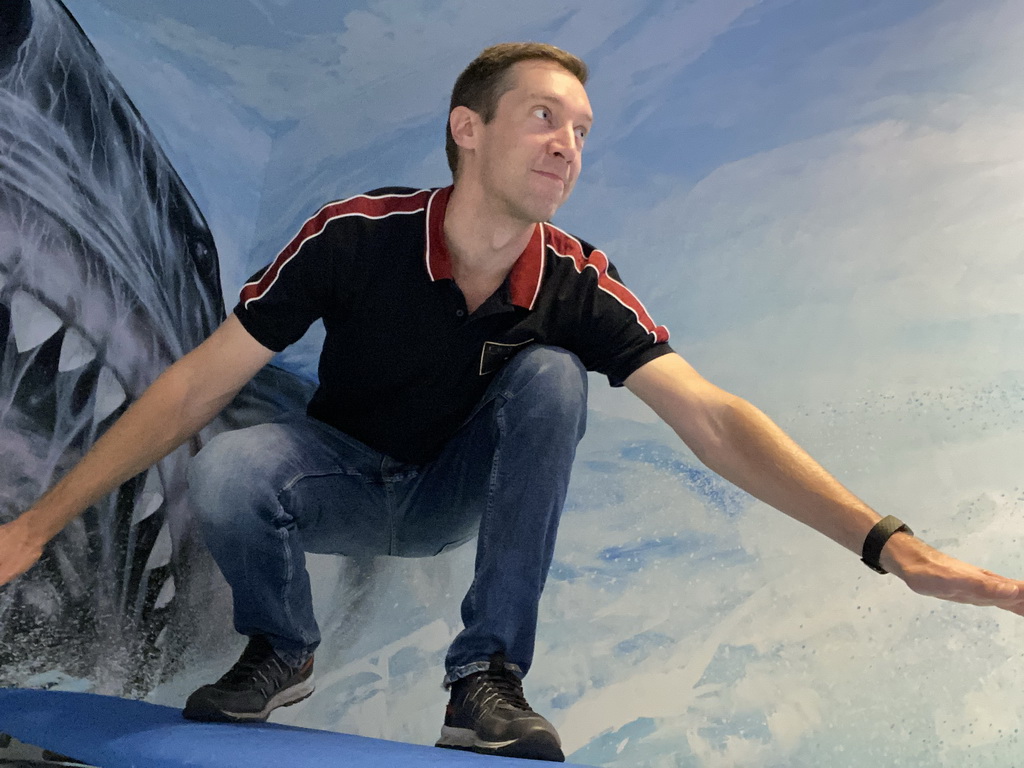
119 733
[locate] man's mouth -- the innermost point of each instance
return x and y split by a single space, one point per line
553 177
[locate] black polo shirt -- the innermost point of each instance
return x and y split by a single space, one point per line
403 363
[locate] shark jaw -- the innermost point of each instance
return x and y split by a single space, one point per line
108 273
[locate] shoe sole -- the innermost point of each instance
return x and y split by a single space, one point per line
299 692
535 746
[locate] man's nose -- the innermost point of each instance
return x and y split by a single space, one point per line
563 143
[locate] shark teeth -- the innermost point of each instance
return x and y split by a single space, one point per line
160 555
166 594
75 351
150 499
47 355
109 395
59 381
33 322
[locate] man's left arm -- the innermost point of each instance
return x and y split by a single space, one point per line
737 441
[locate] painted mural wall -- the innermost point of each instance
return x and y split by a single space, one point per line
823 202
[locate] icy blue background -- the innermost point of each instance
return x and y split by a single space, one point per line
824 201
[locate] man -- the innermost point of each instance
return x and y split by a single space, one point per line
453 393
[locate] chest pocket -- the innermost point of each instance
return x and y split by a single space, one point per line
495 354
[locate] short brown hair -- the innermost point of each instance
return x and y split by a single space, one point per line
486 80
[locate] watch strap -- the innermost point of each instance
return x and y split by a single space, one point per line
876 539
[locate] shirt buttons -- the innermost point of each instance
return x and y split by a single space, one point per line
460 312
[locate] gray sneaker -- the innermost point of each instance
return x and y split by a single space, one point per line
488 714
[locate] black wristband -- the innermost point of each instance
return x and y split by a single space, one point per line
876 539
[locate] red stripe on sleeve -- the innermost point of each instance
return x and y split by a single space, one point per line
567 246
361 205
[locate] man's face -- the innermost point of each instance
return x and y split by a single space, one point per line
529 155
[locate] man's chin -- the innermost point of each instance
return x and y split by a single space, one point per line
544 203
534 214
545 211
535 208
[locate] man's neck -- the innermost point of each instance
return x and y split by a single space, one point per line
483 242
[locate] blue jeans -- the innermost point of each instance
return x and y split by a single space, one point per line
267 494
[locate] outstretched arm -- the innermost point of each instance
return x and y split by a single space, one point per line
736 440
183 400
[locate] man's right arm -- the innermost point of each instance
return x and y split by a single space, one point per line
183 400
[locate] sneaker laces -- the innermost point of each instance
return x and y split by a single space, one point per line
258 664
502 684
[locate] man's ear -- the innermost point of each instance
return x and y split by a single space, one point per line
465 125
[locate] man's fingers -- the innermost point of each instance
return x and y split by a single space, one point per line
17 552
999 590
10 571
990 590
950 579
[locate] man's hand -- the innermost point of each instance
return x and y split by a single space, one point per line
19 550
182 400
930 572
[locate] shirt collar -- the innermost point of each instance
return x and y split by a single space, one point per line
525 278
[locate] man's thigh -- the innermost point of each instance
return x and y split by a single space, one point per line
346 498
498 455
446 501
316 479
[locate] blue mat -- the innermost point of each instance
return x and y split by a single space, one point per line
119 733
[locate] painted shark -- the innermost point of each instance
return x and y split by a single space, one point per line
108 273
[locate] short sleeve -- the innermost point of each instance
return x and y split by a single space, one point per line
279 303
616 334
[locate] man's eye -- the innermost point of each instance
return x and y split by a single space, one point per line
581 133
542 112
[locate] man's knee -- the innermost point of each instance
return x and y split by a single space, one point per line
555 381
222 474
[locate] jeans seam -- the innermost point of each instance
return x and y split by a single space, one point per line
289 574
283 538
499 420
389 501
